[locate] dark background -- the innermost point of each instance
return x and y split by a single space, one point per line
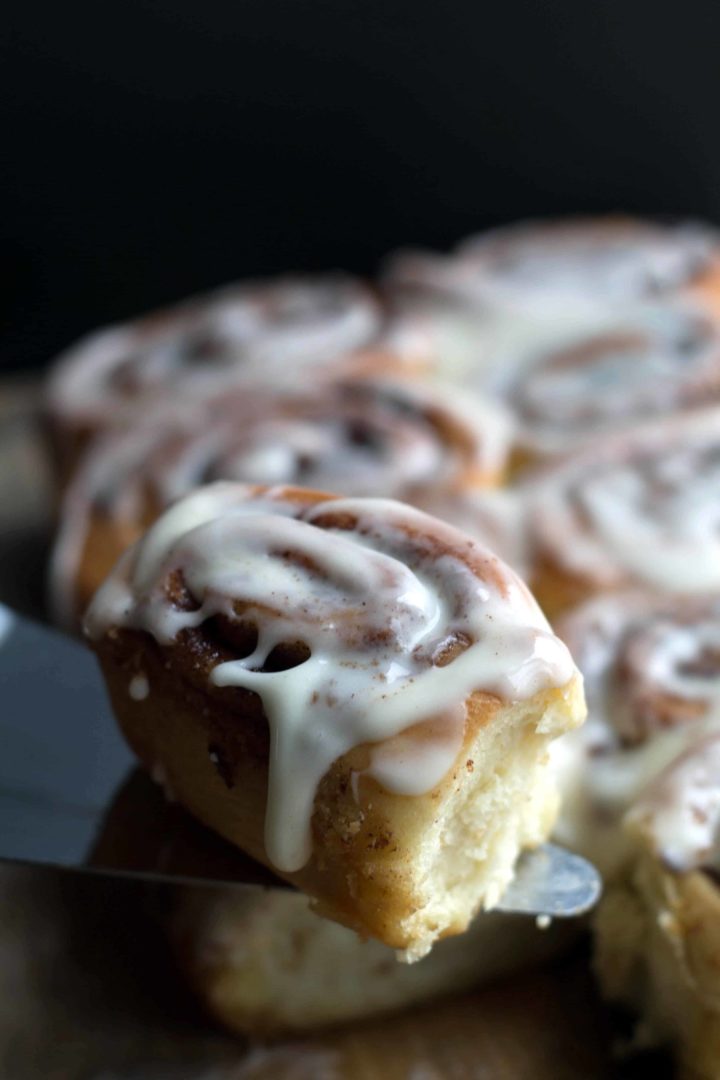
154 148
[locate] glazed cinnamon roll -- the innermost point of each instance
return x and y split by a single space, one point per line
655 361
282 328
352 692
648 809
395 439
526 290
637 509
615 258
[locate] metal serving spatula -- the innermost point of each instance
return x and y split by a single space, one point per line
71 795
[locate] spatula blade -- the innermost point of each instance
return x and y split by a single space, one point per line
71 795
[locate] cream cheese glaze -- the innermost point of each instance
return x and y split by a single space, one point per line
403 618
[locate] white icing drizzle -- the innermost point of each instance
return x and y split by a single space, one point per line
640 508
652 682
376 591
361 436
139 687
252 329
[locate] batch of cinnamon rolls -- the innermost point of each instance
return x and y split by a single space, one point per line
348 553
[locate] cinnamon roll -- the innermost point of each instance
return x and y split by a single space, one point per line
262 330
614 258
531 289
352 692
395 439
265 964
648 809
655 361
638 509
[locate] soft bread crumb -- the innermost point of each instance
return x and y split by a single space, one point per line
507 805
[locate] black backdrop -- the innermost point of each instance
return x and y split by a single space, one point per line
156 147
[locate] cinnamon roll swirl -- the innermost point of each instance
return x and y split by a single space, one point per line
639 509
260 330
396 439
351 691
525 290
648 808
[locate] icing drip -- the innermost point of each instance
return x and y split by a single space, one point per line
139 688
402 618
652 682
643 508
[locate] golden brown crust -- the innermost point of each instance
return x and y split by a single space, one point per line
556 588
706 288
104 544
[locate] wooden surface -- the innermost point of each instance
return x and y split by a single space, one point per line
87 987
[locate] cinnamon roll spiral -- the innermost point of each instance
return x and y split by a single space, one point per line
636 509
258 330
336 685
395 439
